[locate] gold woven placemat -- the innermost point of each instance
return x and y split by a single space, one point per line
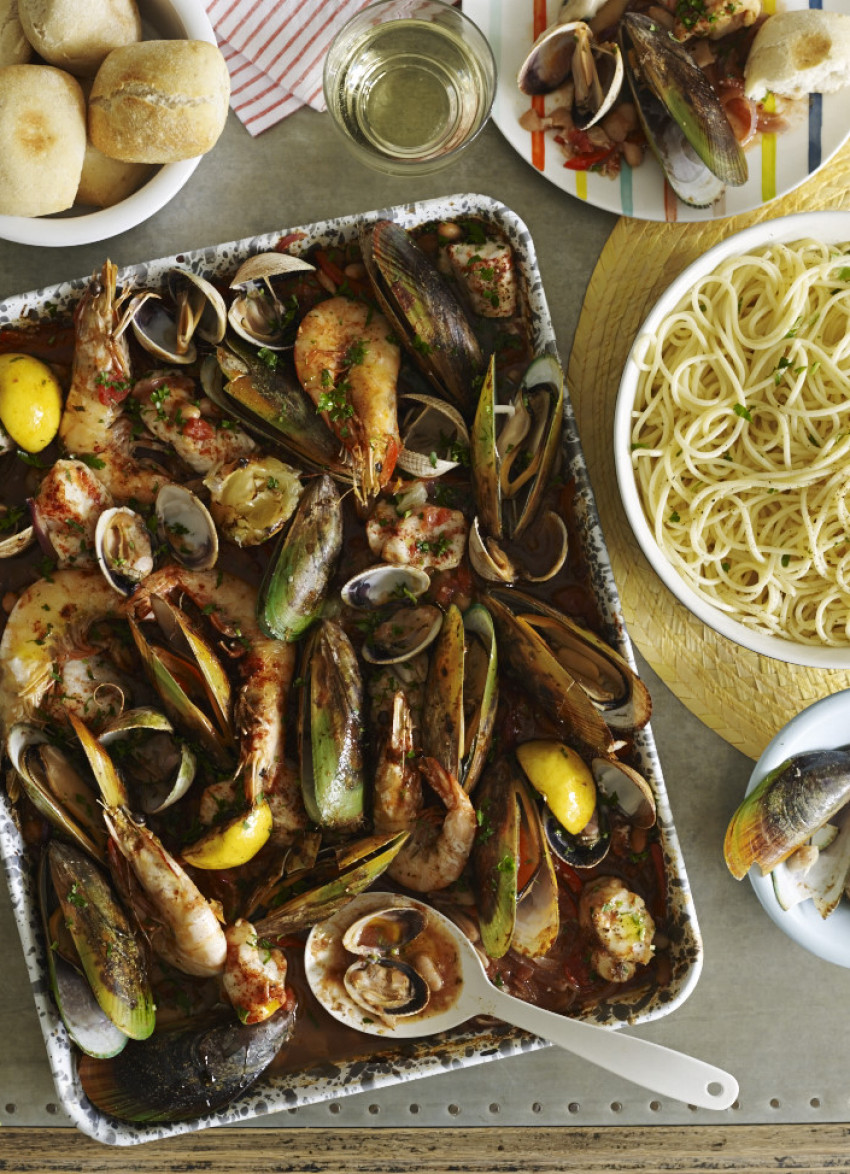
744 697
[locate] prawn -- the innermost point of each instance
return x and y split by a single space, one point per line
265 670
187 933
622 926
254 977
48 625
348 364
436 852
397 791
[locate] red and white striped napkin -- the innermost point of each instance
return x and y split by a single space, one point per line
275 51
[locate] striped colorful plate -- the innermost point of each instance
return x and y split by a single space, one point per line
776 166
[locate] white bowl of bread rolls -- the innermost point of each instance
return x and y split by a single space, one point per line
106 109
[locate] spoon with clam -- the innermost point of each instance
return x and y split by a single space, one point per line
392 966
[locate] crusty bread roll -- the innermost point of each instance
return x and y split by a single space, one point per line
42 139
15 49
159 101
799 53
105 181
77 34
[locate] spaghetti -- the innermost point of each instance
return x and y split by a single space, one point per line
741 440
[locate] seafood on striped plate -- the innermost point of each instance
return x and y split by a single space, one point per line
271 654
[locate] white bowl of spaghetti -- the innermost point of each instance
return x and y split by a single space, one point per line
732 439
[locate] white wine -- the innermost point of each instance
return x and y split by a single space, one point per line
409 91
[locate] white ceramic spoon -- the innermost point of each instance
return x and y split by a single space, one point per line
660 1069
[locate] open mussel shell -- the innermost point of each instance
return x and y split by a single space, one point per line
330 726
528 656
272 403
297 578
89 1027
186 526
443 716
123 548
251 499
669 71
785 808
186 1070
384 931
255 312
383 584
608 680
584 849
56 788
480 693
194 661
508 857
354 868
110 954
387 987
434 436
403 634
570 50
427 316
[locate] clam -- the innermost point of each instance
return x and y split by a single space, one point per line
384 931
785 808
330 726
186 526
256 313
110 954
665 79
383 584
14 537
425 313
123 548
253 498
434 436
570 50
510 861
200 308
186 1070
386 987
155 327
296 903
265 394
295 584
159 767
403 634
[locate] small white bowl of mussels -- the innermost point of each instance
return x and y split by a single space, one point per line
791 833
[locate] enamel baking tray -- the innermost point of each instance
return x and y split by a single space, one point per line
465 1046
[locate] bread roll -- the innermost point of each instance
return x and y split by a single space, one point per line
799 53
159 101
15 49
42 139
77 34
105 181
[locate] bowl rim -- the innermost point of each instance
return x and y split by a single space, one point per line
63 230
830 226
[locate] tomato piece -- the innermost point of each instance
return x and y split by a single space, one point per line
198 429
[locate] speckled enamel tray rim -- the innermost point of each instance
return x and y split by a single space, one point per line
273 1094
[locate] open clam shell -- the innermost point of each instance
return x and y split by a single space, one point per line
256 313
156 329
123 548
383 584
404 634
570 50
384 931
186 525
386 987
435 438
199 308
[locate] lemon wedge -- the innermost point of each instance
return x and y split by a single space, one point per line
30 401
234 842
564 780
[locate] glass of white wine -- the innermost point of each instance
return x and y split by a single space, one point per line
409 84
